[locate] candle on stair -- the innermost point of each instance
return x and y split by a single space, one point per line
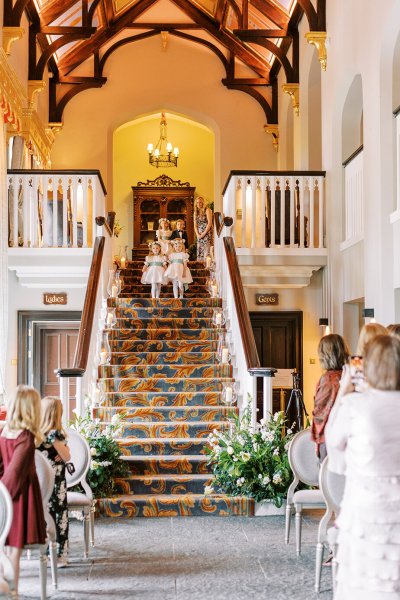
208 262
228 395
103 357
218 318
114 291
214 291
224 355
123 262
110 318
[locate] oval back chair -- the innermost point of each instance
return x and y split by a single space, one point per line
305 466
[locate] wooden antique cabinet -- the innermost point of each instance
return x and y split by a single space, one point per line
161 197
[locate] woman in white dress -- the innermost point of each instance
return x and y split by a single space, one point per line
154 269
363 442
163 234
178 271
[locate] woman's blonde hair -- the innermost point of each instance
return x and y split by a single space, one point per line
196 210
52 410
394 329
382 363
23 411
333 352
367 334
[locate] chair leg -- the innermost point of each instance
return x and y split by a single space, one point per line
298 528
86 520
287 522
92 511
43 572
319 556
53 564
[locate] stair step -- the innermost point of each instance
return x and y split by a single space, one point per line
164 323
165 371
151 312
166 505
159 385
145 399
162 447
135 279
164 334
168 429
156 465
166 289
163 358
164 295
164 302
127 347
165 413
163 484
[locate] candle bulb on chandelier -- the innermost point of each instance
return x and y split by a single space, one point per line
150 148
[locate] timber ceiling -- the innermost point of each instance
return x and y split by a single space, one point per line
250 37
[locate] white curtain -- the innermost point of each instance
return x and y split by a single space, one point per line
3 260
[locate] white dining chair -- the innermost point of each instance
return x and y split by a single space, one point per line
332 489
81 501
305 466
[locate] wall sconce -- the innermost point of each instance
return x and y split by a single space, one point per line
369 313
324 322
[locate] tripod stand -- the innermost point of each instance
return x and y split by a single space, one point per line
297 397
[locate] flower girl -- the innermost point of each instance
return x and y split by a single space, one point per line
163 234
178 271
154 269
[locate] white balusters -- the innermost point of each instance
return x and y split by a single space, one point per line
50 209
293 204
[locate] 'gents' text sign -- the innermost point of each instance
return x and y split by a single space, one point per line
267 299
50 298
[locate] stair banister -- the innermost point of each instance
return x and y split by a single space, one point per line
247 363
86 345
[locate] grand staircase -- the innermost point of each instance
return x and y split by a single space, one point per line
166 383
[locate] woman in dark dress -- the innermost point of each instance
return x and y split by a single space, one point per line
18 439
54 447
333 354
202 228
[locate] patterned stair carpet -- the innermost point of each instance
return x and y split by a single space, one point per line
165 382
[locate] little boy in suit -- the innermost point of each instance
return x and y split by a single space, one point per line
180 232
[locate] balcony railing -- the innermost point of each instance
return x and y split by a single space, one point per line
53 209
353 197
276 209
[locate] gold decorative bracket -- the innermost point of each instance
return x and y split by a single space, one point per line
318 39
10 35
34 87
164 39
293 90
274 131
53 129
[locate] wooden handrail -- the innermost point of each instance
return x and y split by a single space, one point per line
85 330
272 173
60 172
246 330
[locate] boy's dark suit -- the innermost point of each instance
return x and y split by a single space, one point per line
180 234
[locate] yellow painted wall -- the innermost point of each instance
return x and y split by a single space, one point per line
131 164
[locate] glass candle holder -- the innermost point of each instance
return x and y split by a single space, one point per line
229 394
218 318
113 284
110 318
104 350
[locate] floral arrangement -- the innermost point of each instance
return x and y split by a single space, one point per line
117 228
106 463
252 463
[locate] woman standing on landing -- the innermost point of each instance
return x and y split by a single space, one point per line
202 228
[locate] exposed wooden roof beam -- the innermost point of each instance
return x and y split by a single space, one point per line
272 12
79 54
267 33
255 81
163 26
230 42
219 10
53 11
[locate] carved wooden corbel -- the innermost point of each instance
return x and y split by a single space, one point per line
318 39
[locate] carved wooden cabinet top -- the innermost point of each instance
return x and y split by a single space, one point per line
161 197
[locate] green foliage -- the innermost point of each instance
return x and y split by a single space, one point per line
252 463
106 462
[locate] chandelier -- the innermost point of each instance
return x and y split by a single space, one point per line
162 155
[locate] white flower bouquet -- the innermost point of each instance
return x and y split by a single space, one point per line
252 463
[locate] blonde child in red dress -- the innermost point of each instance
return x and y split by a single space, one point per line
18 441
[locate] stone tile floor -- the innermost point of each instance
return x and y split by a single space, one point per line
201 558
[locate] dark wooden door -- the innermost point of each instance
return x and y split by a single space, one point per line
55 349
278 337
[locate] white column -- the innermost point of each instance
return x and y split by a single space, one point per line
263 211
253 211
321 211
85 189
292 186
272 215
267 397
243 208
311 223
